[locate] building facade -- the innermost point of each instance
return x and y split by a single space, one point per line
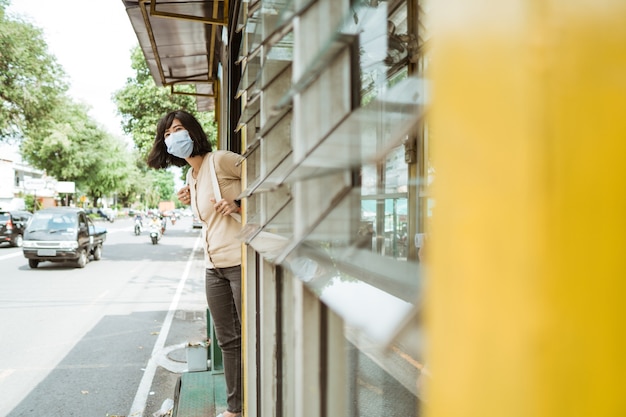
523 147
18 180
325 99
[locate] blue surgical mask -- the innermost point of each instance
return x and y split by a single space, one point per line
179 144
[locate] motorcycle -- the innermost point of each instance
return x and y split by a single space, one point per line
137 227
155 233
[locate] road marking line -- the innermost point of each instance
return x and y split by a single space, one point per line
6 372
95 300
141 397
11 255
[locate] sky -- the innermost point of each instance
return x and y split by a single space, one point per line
92 41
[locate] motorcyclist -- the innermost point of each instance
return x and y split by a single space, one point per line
163 223
155 222
155 227
138 223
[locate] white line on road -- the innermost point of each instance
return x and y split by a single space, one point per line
6 372
141 397
11 255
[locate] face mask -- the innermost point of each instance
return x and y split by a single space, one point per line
179 144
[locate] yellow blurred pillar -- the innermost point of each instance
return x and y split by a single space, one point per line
526 307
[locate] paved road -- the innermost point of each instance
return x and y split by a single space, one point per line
106 340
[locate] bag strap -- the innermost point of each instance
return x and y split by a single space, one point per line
216 186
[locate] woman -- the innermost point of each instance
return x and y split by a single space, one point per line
180 140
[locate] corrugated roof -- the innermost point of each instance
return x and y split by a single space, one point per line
181 42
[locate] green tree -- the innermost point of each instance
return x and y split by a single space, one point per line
29 202
135 183
112 171
55 133
141 103
65 148
75 148
31 80
163 182
159 186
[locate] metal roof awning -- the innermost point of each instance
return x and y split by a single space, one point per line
181 42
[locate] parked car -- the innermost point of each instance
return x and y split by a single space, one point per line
12 225
105 214
62 234
108 214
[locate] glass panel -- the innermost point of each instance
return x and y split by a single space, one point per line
242 18
250 111
402 46
384 205
253 166
362 26
396 171
264 183
376 297
248 84
281 122
380 385
366 135
336 264
409 341
254 32
277 20
277 17
277 60
249 75
276 67
253 7
269 228
385 222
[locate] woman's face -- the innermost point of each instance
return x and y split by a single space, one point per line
175 127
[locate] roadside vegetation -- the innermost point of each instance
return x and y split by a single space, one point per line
56 134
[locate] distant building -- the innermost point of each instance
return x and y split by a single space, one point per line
18 179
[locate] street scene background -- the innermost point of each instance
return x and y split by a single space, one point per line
106 339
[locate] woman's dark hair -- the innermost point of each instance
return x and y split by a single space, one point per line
158 156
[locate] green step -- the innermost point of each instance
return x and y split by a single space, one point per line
200 394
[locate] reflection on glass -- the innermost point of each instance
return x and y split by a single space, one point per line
369 304
384 205
364 306
269 227
381 385
396 171
338 260
365 25
384 222
367 134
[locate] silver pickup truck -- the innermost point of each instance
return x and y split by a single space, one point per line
62 234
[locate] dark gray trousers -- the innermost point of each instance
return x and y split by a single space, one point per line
223 293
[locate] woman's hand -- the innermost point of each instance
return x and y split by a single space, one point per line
225 207
183 195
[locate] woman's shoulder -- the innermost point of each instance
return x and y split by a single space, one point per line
221 153
227 157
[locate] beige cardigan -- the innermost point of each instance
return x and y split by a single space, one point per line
222 249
